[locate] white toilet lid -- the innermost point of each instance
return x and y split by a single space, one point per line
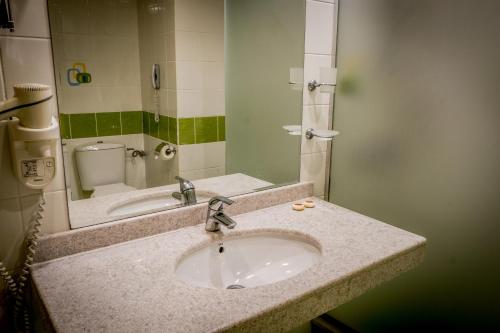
100 191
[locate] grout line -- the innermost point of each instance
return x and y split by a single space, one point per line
217 125
121 124
2 79
194 129
70 130
319 54
327 2
168 129
95 118
23 37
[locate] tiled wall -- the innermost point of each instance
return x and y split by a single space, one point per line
186 39
103 35
155 21
319 52
198 59
26 57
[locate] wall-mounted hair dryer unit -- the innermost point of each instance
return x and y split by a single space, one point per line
33 134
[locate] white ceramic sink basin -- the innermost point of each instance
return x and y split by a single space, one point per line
152 202
248 261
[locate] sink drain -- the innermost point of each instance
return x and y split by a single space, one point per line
235 286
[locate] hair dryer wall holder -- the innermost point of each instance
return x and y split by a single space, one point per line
21 133
34 152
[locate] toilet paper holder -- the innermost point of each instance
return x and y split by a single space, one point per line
170 149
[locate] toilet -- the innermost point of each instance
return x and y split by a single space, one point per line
101 167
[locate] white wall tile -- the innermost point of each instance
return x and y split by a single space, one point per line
199 15
312 65
55 212
8 188
211 47
319 27
312 168
188 75
213 102
189 103
192 174
112 17
214 172
99 35
172 102
319 48
170 45
199 78
30 19
171 75
70 100
202 156
74 17
314 116
26 60
11 232
187 46
212 75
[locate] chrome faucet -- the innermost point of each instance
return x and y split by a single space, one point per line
187 194
216 215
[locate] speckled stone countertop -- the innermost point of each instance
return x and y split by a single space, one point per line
132 287
86 212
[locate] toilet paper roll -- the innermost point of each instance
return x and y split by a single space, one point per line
167 152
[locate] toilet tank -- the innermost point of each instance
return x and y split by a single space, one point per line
100 164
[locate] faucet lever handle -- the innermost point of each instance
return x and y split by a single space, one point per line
219 199
184 184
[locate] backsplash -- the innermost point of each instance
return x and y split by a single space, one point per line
184 131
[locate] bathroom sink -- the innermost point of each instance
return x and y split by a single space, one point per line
152 202
247 262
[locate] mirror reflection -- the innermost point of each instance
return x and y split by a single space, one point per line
165 103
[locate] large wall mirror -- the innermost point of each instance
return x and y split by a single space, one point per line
152 90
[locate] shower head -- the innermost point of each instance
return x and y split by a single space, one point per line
30 104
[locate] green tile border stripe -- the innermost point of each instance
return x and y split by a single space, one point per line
192 130
90 125
196 130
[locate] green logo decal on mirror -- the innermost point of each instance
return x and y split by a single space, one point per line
78 74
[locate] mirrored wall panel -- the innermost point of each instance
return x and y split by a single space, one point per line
165 103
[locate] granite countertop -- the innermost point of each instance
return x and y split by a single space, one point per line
132 287
86 212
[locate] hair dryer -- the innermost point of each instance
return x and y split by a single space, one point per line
29 104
